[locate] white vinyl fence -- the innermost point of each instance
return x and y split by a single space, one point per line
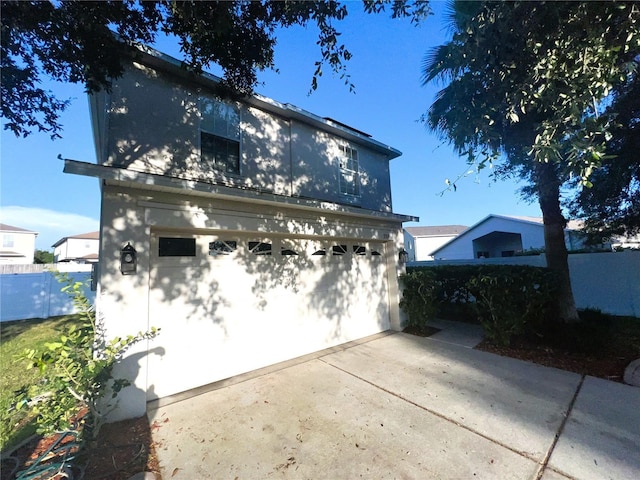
38 295
609 282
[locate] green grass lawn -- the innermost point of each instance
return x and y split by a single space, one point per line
14 338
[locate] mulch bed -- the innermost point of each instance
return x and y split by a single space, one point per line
424 331
610 367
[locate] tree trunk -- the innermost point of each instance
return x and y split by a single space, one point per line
548 187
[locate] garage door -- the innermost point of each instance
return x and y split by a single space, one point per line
228 304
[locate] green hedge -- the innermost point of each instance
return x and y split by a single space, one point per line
507 300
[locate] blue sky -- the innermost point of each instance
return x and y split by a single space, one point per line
388 101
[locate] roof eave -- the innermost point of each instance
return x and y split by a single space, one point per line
141 180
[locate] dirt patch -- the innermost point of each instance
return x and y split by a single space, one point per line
122 450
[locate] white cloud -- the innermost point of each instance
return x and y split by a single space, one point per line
51 225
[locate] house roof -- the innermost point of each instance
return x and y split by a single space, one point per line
571 225
435 230
10 228
86 236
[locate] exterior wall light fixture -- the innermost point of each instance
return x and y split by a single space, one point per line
403 257
128 260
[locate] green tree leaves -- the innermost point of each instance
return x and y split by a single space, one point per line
86 42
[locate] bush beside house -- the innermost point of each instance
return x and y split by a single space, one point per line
507 300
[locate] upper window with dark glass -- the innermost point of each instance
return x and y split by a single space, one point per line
220 135
219 153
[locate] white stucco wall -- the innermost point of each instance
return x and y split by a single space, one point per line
126 304
76 248
426 245
409 245
22 243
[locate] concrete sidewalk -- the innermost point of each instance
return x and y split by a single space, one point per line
400 406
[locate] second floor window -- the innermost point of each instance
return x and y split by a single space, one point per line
220 153
349 181
220 135
7 240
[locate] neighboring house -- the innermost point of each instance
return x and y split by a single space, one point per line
503 236
625 242
82 248
419 242
250 231
18 245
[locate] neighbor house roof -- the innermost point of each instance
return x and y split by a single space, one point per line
10 228
82 236
436 230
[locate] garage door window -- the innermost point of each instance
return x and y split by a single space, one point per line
176 247
260 248
222 247
339 250
359 250
287 251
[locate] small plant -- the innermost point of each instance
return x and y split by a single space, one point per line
77 370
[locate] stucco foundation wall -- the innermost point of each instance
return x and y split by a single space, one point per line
609 282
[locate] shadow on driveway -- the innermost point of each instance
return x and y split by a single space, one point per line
400 406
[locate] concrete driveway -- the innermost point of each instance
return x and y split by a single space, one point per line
399 406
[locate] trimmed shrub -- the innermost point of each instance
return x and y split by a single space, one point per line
513 301
419 297
507 300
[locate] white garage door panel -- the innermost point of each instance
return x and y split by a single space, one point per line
227 314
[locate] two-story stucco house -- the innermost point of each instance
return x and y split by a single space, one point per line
261 232
18 245
81 248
